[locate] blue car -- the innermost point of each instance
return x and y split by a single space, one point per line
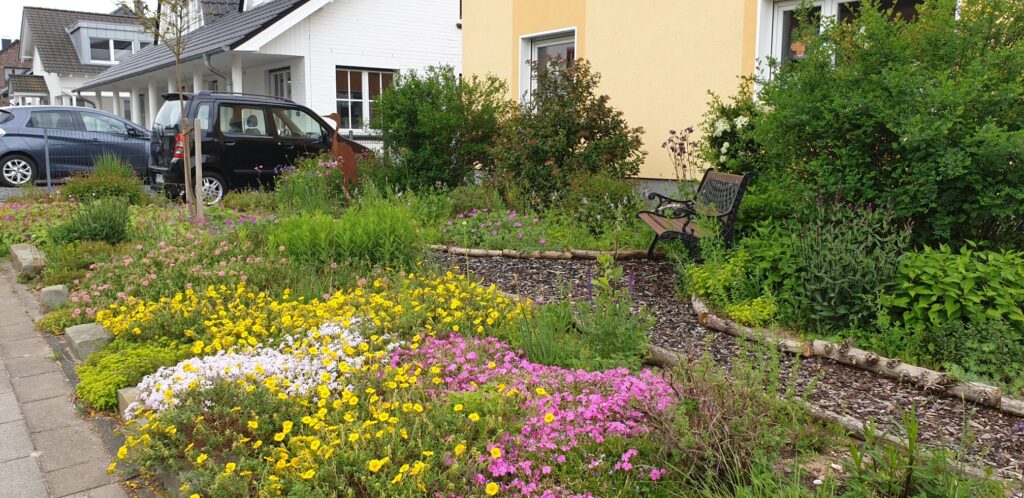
73 136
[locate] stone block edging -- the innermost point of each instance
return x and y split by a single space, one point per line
845 354
555 255
27 259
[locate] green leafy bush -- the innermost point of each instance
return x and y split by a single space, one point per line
66 263
922 117
125 365
728 143
825 275
565 129
59 319
312 185
106 219
372 232
937 286
439 125
593 328
594 202
110 177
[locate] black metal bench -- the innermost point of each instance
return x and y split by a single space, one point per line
718 196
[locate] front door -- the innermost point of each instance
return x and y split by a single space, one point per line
249 152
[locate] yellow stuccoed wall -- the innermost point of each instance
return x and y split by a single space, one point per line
657 58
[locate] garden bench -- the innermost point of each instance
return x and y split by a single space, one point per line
718 196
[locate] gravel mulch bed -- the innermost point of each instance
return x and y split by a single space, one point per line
983 435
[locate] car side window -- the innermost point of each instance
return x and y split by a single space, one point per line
295 123
98 123
203 115
241 119
53 120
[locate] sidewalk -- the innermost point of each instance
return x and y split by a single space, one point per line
46 448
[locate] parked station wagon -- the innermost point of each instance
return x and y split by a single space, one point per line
246 140
73 136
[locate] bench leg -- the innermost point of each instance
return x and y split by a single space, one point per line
650 251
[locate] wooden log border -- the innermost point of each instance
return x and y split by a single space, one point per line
553 255
845 354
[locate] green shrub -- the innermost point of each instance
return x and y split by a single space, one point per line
935 287
614 333
106 220
566 128
249 200
549 337
438 125
373 232
313 185
728 142
595 202
125 365
468 197
923 117
110 177
66 263
308 238
59 319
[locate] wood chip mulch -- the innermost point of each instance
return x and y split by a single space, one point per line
981 435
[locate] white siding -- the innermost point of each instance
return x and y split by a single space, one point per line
381 34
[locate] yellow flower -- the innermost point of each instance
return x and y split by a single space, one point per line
541 392
458 407
375 465
474 417
549 417
122 452
460 449
229 467
308 474
492 489
495 452
253 424
201 458
112 467
194 495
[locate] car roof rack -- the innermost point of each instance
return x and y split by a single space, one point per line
242 94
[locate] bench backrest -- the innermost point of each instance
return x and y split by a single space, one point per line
723 192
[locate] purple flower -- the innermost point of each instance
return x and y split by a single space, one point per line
543 241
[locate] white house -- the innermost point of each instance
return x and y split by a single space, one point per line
330 55
66 48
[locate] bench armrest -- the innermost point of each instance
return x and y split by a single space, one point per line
675 208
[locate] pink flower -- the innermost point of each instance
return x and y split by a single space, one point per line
280 248
656 474
145 283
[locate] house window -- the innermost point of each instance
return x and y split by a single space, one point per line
281 83
543 48
106 50
356 91
780 25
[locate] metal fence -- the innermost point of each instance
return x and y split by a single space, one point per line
373 142
63 153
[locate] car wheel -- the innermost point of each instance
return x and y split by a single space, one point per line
214 188
17 170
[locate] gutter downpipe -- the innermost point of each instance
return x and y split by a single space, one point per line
207 59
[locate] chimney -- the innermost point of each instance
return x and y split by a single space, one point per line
6 42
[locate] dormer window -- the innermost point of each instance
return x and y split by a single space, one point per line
106 50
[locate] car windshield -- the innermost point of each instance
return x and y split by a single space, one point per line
169 115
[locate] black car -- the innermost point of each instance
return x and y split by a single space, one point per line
247 139
73 136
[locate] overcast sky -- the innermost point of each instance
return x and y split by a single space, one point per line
10 21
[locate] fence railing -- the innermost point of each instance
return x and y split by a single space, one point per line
68 152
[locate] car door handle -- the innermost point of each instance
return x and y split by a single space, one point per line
96 140
230 143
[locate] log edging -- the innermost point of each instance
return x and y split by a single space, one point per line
845 354
554 255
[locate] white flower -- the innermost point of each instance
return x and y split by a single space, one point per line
721 126
741 121
725 148
723 159
299 370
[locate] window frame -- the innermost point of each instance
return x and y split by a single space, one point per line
365 101
96 115
268 132
286 72
528 45
134 48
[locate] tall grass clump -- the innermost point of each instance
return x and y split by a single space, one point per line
111 176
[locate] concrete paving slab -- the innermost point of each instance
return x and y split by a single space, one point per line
77 478
21 328
42 386
33 346
21 479
108 491
49 414
5 380
30 365
16 441
9 411
54 448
